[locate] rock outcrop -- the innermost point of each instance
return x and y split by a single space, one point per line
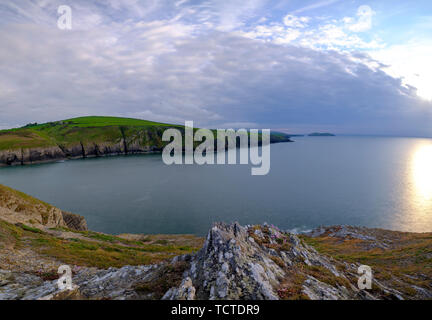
236 262
262 262
251 263
74 221
17 207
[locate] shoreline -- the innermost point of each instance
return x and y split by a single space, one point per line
62 159
233 262
47 157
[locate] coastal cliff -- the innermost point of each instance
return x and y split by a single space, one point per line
19 208
86 137
77 138
232 262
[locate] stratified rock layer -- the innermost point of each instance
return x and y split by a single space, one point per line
74 221
236 262
16 207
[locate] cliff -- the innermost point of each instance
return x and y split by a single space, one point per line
19 208
86 137
233 262
79 138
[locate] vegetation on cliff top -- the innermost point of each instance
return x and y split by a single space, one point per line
399 259
65 132
92 249
87 130
6 191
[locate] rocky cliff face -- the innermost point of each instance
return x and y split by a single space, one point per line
74 221
75 151
97 143
16 207
236 262
29 156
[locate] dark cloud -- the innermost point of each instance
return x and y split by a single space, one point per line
167 70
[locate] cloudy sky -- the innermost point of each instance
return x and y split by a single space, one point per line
344 66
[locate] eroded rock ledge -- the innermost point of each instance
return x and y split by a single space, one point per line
17 207
251 262
262 262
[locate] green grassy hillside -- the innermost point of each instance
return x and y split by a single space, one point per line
83 129
90 130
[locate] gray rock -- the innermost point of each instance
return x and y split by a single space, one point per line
235 263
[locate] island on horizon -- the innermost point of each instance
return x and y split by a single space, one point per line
321 134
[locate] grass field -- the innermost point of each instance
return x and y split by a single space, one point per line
95 121
70 131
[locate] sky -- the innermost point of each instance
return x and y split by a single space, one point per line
342 66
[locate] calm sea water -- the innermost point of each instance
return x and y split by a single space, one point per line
368 181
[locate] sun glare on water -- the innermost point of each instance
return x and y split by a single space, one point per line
422 172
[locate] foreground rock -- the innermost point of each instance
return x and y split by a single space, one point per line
236 262
233 262
261 262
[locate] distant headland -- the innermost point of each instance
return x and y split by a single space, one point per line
87 137
321 134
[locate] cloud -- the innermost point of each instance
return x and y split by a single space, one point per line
415 72
315 5
168 67
319 33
